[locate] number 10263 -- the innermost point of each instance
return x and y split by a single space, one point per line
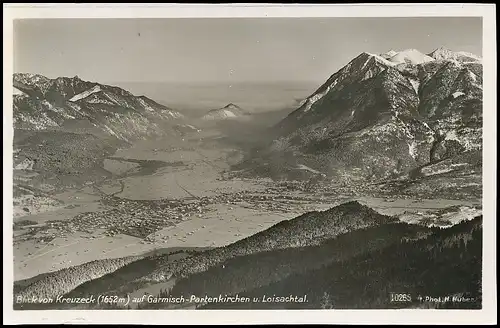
395 297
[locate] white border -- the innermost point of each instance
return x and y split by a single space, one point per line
485 316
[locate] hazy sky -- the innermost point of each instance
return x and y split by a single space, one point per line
224 50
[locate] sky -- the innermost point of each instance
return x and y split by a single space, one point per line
227 50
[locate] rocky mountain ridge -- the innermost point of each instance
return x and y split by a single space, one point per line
383 116
71 104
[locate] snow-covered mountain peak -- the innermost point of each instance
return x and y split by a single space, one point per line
230 111
232 106
443 53
377 105
410 56
30 79
391 53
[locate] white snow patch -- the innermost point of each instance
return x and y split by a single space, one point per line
145 105
47 120
192 127
97 99
314 98
365 63
451 135
415 84
459 165
381 59
26 164
86 93
427 126
412 149
17 92
75 107
457 94
468 54
228 113
307 168
175 114
413 56
46 103
58 110
368 75
405 128
113 133
441 171
443 53
473 76
117 100
391 53
465 213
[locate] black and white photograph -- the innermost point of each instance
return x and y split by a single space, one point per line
261 162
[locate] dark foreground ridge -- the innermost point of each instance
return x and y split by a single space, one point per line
440 270
311 228
335 257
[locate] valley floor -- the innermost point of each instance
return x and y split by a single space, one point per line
177 197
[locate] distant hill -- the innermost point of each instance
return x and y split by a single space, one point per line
228 112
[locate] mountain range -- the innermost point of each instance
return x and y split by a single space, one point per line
384 116
55 119
71 104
